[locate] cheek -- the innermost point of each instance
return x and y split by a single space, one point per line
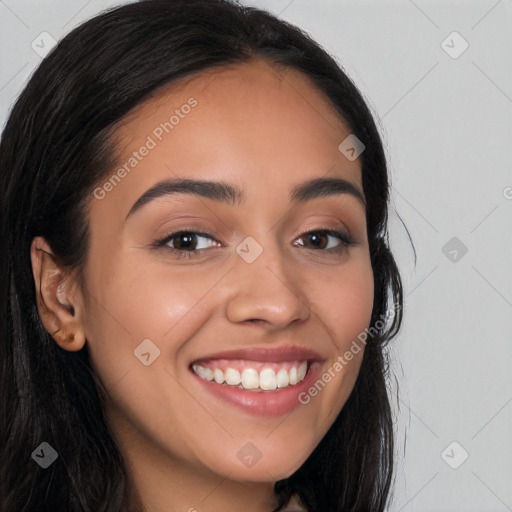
344 300
343 303
136 300
138 310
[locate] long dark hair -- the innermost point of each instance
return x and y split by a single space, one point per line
56 147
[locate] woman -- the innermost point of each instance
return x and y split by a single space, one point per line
196 278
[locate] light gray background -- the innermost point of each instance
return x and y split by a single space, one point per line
447 125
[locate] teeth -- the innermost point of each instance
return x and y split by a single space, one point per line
218 376
205 373
301 372
265 380
268 379
233 377
283 378
250 378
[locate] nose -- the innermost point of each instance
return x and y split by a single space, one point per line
266 291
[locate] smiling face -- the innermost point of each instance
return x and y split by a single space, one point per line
270 279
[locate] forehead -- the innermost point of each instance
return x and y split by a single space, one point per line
254 82
240 101
253 124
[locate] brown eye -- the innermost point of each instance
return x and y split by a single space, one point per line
325 240
319 239
185 240
186 243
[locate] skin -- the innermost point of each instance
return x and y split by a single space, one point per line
264 130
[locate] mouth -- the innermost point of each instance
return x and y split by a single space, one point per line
252 375
266 382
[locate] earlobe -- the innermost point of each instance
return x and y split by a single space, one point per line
55 305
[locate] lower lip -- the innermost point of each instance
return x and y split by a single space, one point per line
264 403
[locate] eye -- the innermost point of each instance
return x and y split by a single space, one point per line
188 241
184 243
325 239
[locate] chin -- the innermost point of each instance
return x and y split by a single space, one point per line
263 464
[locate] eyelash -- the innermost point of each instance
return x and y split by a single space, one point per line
346 241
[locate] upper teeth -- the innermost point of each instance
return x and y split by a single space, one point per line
251 378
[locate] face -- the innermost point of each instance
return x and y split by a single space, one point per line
270 277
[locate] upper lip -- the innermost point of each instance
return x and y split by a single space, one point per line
276 355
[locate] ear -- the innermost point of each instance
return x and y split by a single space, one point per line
56 297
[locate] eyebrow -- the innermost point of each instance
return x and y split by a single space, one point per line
231 194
